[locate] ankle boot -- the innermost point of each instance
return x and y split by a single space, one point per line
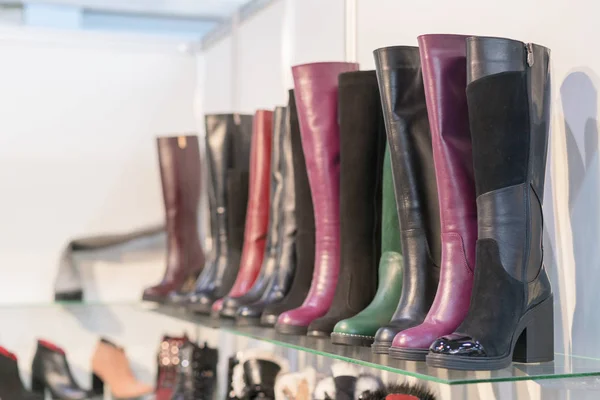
510 317
259 377
409 138
179 159
362 147
360 330
197 373
227 149
111 367
12 387
280 261
443 59
257 214
168 361
316 89
50 372
305 227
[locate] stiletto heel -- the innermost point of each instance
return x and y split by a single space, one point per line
37 386
97 385
536 342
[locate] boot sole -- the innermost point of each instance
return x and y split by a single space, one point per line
291 329
268 320
318 334
500 362
154 299
247 321
408 354
199 308
381 347
349 339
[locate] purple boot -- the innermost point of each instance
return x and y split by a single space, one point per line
315 86
443 60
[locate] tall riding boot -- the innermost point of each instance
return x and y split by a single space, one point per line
227 150
257 214
179 159
511 313
362 147
305 220
282 227
409 138
443 59
360 330
316 90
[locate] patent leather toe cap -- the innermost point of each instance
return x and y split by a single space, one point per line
459 345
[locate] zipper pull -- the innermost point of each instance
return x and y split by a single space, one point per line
529 48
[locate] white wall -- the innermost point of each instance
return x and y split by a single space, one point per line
78 118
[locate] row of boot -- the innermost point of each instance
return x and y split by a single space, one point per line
307 203
51 373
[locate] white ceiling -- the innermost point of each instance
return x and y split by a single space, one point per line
204 9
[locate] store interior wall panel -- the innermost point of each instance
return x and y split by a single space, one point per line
217 86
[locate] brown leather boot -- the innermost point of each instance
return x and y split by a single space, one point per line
111 367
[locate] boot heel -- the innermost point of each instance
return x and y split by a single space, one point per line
536 343
37 386
97 385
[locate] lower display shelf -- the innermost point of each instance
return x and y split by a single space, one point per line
563 366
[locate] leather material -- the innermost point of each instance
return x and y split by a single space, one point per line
228 139
316 95
379 312
168 363
362 149
257 213
510 218
409 137
259 376
50 371
304 218
443 59
179 159
12 387
282 221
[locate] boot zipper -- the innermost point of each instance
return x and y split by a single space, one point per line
529 49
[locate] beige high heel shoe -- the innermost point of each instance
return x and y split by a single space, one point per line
111 367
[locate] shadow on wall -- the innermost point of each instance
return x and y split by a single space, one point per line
579 99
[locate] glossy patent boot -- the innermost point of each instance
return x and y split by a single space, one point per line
280 259
179 159
511 313
257 215
197 373
50 372
168 363
443 59
11 386
228 139
362 148
316 96
110 367
305 227
409 138
360 330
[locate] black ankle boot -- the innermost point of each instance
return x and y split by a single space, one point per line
272 286
11 386
362 147
407 124
197 373
50 372
304 254
228 155
259 377
511 312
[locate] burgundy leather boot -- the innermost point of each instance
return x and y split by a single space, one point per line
444 65
316 99
257 214
179 158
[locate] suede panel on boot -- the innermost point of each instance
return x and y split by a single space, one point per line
305 235
362 147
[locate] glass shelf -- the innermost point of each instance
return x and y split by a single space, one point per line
563 366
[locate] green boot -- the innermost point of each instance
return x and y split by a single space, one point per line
360 329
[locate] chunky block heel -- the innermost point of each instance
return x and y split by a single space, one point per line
37 386
97 385
536 342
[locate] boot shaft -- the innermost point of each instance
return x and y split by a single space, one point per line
390 224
